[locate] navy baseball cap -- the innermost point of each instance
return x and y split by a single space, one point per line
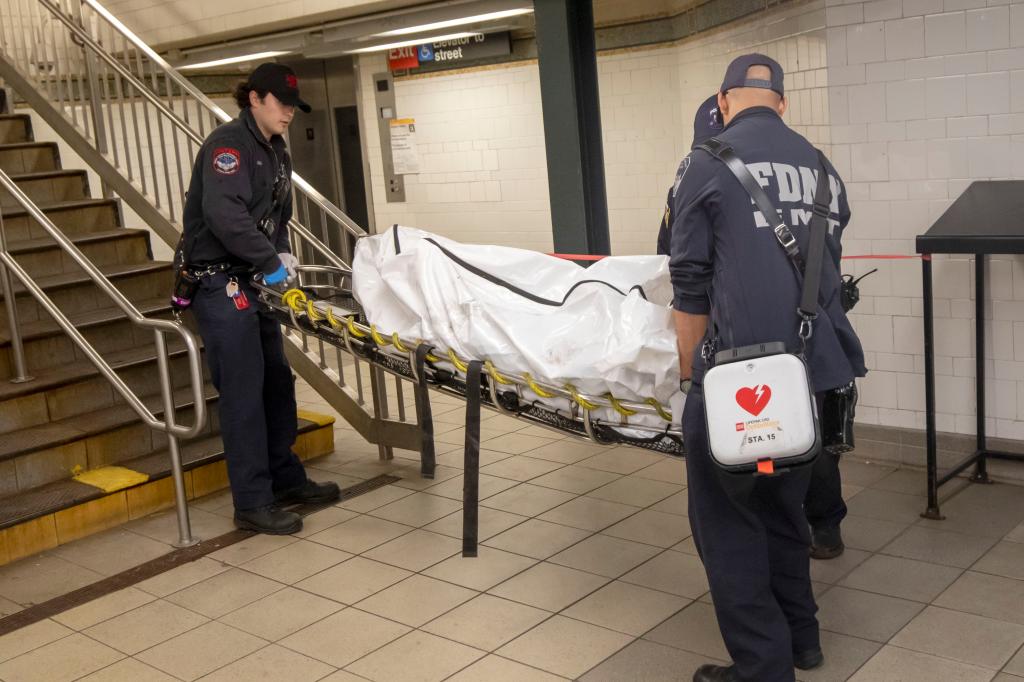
707 122
280 81
736 74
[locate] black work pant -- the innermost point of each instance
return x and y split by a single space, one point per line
824 503
752 535
258 422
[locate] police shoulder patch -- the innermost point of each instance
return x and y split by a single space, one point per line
226 160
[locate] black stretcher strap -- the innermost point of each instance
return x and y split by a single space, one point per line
424 415
471 463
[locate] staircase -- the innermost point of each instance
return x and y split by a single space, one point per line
68 419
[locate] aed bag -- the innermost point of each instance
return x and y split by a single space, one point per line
760 410
759 403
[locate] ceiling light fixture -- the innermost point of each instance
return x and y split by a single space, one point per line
413 41
490 16
234 60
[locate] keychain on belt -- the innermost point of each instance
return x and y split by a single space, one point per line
235 293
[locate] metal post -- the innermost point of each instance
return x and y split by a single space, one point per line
932 512
21 374
185 538
980 468
379 395
96 107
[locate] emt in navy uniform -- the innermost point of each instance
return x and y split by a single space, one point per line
734 286
236 225
824 505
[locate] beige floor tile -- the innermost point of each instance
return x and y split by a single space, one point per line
416 657
858 472
886 506
482 572
516 443
452 488
575 479
146 626
324 519
537 539
342 676
490 522
296 561
183 576
163 526
986 595
961 636
413 480
520 468
112 551
64 660
834 570
589 513
344 637
843 656
486 622
626 608
280 614
360 534
1016 535
193 654
416 550
527 499
129 670
695 629
652 528
871 535
375 498
669 470
418 509
647 661
904 578
605 555
549 587
1016 665
456 458
416 600
939 547
497 669
39 578
1003 677
565 646
353 580
7 607
676 504
107 606
638 492
271 664
1005 559
893 664
567 451
252 548
687 546
864 614
673 572
225 592
31 637
621 460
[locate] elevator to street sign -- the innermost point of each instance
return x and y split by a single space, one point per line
450 53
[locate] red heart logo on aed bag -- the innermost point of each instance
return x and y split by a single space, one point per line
753 400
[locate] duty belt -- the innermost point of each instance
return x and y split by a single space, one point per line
217 268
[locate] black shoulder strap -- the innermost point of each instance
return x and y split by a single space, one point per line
816 247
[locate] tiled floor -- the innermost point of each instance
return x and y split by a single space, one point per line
586 571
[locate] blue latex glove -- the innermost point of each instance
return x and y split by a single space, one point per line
277 276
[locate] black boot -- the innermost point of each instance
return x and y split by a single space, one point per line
716 673
310 492
826 543
269 520
808 660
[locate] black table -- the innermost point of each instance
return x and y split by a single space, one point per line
988 218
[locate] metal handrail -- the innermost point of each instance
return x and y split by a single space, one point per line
159 327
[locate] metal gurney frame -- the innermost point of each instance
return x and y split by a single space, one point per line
334 318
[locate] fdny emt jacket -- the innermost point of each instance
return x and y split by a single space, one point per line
231 192
726 261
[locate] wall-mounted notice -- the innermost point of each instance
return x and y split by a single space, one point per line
403 146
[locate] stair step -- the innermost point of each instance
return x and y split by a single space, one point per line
41 329
60 505
72 217
49 187
15 128
29 157
42 257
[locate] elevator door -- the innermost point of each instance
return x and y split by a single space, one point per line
353 187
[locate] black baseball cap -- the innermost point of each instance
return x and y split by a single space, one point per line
280 81
707 122
736 74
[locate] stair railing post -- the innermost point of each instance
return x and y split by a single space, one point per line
96 107
185 538
21 374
